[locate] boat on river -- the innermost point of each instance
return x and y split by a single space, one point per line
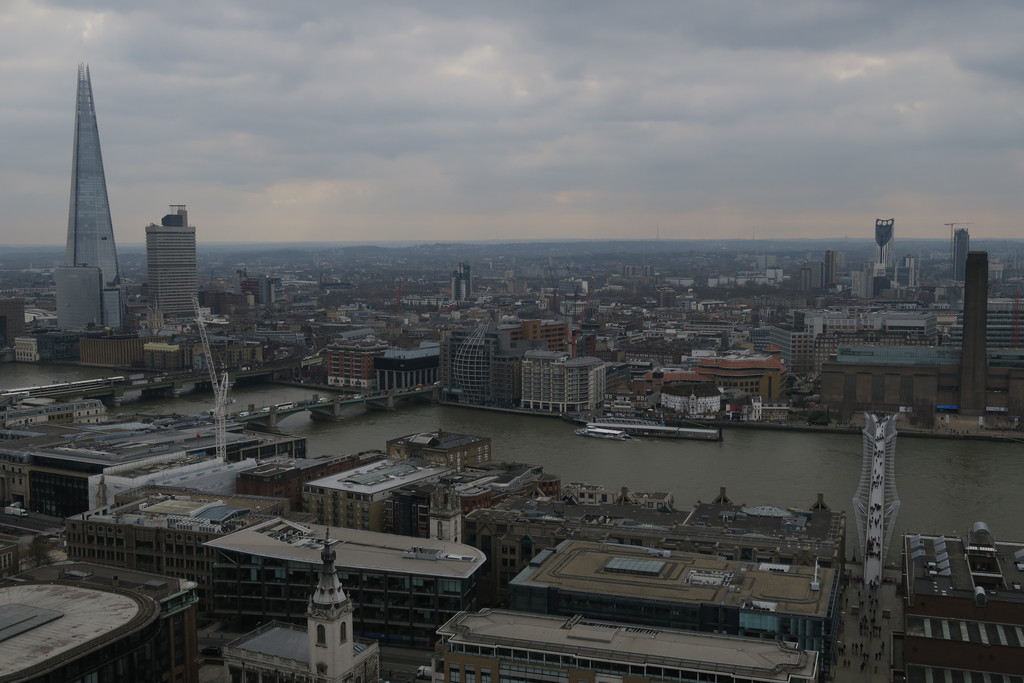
656 430
595 432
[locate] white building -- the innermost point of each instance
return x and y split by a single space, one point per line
695 399
552 381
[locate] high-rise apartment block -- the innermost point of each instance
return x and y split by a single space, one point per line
462 283
884 234
171 262
88 284
961 245
831 274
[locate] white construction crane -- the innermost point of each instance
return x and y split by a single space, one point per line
220 387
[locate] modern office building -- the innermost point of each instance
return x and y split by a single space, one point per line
961 245
963 608
88 284
404 368
501 645
402 589
481 365
906 271
325 651
462 283
831 274
60 469
885 255
88 622
1003 325
669 589
162 531
171 263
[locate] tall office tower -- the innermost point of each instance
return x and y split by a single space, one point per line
906 272
961 245
171 262
811 276
974 349
462 283
831 274
88 284
884 232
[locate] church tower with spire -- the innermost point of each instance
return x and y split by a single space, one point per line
445 513
329 622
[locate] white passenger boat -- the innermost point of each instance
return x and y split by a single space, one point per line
602 433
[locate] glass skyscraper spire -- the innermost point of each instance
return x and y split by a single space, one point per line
88 285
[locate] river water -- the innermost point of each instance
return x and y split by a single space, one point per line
945 484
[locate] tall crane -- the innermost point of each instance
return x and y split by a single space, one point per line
220 388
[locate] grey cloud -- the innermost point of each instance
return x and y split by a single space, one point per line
457 112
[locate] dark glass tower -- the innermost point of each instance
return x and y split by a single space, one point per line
961 245
88 285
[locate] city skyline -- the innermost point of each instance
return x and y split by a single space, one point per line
468 122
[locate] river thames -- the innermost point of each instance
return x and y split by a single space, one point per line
945 484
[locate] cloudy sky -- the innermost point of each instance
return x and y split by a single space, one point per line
432 120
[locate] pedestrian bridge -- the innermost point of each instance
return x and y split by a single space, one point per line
323 408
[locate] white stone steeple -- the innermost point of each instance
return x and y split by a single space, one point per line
329 621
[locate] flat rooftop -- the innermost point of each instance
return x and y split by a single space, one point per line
357 549
942 566
100 576
380 476
42 622
769 520
689 578
439 440
763 660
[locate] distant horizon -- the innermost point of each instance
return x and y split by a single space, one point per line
553 240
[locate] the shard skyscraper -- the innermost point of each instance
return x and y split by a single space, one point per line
88 285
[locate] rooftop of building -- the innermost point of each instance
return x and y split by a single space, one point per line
163 507
285 641
950 566
785 527
379 476
156 586
277 467
821 525
357 549
632 572
763 660
440 440
105 445
42 624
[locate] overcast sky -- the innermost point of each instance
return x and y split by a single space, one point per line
428 120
